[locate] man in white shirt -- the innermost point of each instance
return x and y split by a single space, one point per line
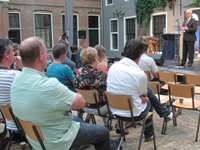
126 78
147 63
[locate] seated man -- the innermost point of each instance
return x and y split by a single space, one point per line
126 78
60 71
147 63
46 102
6 75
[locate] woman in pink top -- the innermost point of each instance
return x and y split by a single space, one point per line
101 55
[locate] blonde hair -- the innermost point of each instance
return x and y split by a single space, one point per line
101 52
88 55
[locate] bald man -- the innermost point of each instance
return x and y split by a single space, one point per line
189 38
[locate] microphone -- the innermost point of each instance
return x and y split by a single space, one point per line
177 19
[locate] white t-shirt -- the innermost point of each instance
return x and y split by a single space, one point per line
125 77
147 63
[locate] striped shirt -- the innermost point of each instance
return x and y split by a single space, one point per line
6 78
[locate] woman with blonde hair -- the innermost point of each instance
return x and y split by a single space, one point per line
101 55
90 77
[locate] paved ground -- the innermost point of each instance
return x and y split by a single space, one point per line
180 137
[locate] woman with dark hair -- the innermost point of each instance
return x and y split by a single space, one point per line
74 50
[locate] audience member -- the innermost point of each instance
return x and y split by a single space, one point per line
84 45
126 78
63 38
74 50
147 63
46 102
91 78
101 55
60 71
6 75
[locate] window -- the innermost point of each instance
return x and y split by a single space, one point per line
130 29
14 27
93 29
109 2
114 34
75 27
159 22
43 28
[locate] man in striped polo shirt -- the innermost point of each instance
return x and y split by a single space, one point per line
6 75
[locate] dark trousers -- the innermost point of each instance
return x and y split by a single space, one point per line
153 102
188 46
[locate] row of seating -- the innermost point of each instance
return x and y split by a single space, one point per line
185 89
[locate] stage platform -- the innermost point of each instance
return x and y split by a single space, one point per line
171 65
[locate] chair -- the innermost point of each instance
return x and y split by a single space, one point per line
7 115
193 79
164 76
32 131
155 87
148 74
125 102
187 92
91 97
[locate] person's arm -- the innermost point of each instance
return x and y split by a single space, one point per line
60 37
155 75
18 62
102 67
70 63
73 82
193 27
79 102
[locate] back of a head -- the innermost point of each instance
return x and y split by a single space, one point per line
145 46
59 49
133 49
29 50
73 48
101 51
88 55
4 46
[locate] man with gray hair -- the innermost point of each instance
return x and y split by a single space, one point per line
47 103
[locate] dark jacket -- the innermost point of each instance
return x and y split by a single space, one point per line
189 35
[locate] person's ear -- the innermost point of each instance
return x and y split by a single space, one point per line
40 56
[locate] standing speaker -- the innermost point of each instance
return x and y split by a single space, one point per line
158 58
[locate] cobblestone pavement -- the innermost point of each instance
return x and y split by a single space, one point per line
180 137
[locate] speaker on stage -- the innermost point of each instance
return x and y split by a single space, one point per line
158 58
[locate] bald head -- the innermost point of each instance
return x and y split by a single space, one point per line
29 50
188 13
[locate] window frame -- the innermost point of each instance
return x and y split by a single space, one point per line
14 12
130 17
52 37
106 2
77 16
99 27
111 40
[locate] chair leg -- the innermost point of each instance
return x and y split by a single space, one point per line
93 119
197 129
11 137
164 127
121 127
3 137
154 137
142 132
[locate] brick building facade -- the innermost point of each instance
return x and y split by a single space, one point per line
20 19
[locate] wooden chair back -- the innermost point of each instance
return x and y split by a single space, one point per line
167 76
5 111
154 86
28 129
181 90
192 79
89 95
148 74
119 101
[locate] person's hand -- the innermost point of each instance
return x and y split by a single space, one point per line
18 61
144 98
